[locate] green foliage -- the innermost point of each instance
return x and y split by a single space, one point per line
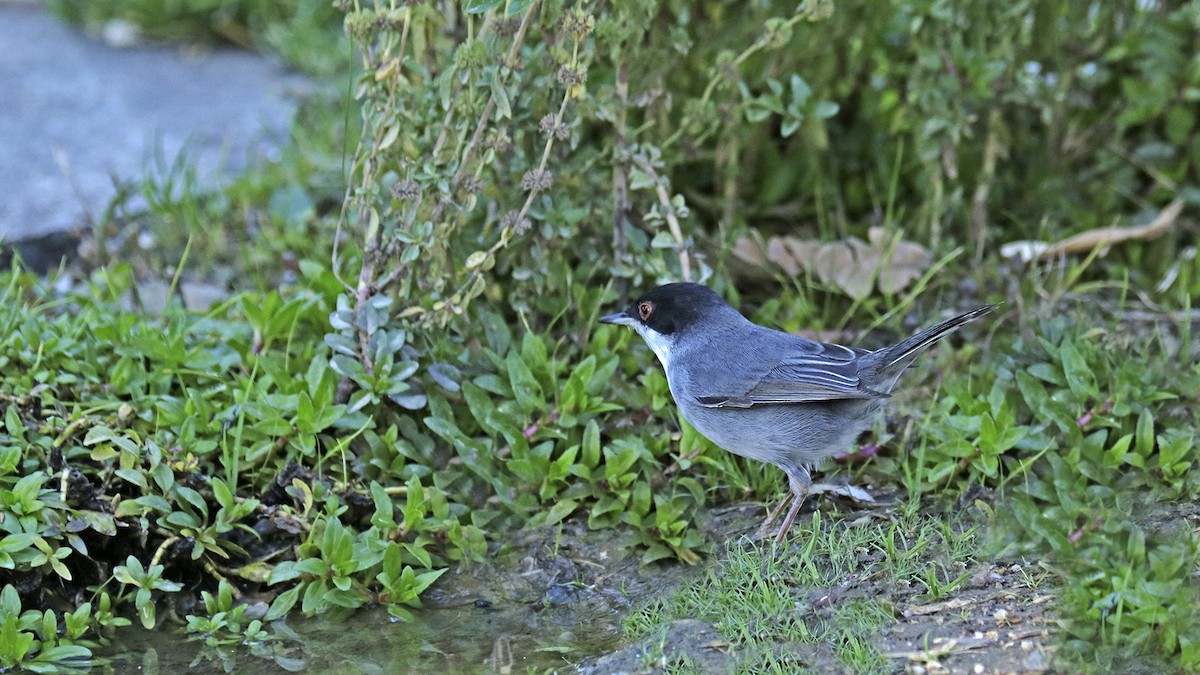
35 642
146 581
165 453
1087 404
1119 432
1081 427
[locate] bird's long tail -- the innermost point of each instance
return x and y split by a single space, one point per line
898 356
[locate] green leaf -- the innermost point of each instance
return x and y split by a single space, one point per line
1078 374
525 387
790 125
481 6
518 7
558 512
222 493
10 601
1046 373
284 571
500 96
825 110
133 476
590 445
103 434
193 498
140 505
1145 434
383 517
574 394
183 519
1115 455
59 568
447 429
14 645
480 404
61 653
145 611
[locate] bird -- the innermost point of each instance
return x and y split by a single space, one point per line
766 394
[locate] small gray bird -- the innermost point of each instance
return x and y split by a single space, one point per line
765 394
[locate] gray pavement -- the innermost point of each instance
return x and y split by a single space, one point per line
75 112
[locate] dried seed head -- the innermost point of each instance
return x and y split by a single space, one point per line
472 184
578 23
537 180
569 77
511 221
548 126
406 188
498 141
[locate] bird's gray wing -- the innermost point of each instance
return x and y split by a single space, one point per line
809 371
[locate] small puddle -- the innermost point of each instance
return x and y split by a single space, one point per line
546 600
460 639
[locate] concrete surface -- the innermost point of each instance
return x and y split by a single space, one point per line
75 113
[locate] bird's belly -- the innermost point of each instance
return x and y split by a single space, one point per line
802 433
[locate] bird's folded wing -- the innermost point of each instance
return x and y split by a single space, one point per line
827 374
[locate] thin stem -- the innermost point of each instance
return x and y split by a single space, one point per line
717 76
507 232
620 163
685 264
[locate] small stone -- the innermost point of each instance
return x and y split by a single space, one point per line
1037 662
256 610
559 595
121 34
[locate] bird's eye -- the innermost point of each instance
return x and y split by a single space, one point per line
645 309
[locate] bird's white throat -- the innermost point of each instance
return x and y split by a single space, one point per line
659 344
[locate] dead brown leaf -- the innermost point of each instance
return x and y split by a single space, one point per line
852 265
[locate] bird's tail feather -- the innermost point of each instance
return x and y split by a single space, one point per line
903 353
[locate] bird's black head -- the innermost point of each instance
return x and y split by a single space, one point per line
670 308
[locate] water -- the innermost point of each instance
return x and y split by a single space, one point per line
466 639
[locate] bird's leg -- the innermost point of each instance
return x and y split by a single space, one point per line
774 515
800 481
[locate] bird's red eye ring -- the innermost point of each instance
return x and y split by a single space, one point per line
645 309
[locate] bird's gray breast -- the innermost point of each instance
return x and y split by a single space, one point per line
782 434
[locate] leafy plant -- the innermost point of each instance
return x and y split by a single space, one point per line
133 573
31 640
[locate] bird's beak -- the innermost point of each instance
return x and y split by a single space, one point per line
620 319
